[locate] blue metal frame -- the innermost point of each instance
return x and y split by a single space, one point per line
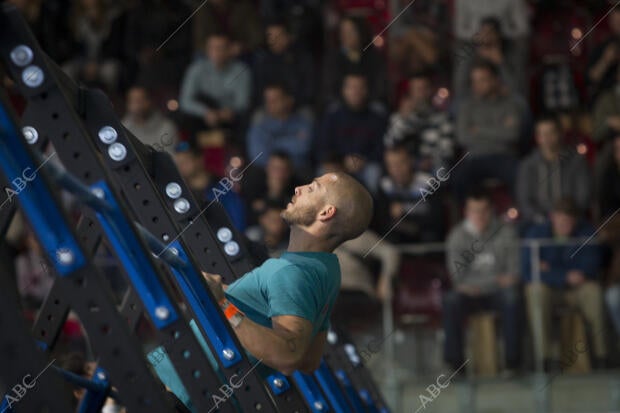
278 390
93 400
53 235
311 392
138 266
205 309
331 389
352 394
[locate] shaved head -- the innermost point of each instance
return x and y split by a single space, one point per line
333 207
353 204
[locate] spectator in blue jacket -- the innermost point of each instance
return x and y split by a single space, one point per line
569 273
278 127
354 129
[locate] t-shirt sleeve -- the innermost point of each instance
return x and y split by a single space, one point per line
290 292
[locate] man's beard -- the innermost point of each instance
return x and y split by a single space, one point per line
303 216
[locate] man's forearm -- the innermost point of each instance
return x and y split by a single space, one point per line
278 349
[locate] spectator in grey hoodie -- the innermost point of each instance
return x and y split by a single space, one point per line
482 258
551 172
488 127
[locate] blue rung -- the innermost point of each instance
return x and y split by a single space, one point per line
352 394
135 261
205 309
311 392
331 389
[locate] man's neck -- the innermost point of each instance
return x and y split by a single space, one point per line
302 241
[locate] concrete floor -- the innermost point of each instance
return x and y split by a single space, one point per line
417 364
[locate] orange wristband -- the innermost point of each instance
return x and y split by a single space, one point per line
232 313
229 308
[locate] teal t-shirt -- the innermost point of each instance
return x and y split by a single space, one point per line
303 284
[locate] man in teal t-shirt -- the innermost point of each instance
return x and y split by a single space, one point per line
280 310
286 302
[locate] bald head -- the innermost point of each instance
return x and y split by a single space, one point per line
331 209
353 204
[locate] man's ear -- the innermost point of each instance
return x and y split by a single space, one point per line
328 212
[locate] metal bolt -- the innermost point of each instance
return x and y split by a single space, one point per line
33 76
224 234
228 354
318 405
162 312
64 256
173 190
31 134
278 383
181 205
231 248
117 151
165 237
21 55
98 192
107 134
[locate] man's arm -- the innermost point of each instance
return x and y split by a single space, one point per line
286 347
282 347
313 356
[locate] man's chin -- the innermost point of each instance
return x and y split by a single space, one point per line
285 215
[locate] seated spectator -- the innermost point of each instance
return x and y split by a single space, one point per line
426 131
416 37
550 173
510 15
606 114
147 123
607 189
482 258
352 55
305 18
569 273
284 62
603 62
207 188
272 230
357 277
489 44
157 59
276 184
91 26
488 127
215 91
408 210
280 128
361 293
354 130
238 19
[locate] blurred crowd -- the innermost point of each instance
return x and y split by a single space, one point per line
479 124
